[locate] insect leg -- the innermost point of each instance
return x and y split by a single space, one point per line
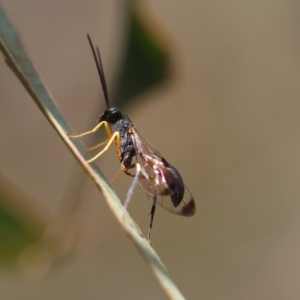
125 170
133 185
115 176
114 138
98 145
107 129
152 217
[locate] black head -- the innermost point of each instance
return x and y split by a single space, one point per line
111 115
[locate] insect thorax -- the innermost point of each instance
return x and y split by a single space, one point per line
127 150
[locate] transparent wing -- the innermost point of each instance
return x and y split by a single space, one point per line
160 179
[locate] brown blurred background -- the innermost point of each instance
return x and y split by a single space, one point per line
228 120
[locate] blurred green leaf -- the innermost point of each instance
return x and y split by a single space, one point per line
22 222
145 59
14 237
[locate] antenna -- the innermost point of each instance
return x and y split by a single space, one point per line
99 66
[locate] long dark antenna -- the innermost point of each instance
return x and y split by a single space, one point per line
99 66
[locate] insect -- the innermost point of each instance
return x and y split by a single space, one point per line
161 181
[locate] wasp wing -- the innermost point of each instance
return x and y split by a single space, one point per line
161 180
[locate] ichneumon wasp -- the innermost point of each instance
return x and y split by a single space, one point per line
161 182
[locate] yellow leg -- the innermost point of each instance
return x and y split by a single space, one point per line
115 138
107 129
98 145
116 175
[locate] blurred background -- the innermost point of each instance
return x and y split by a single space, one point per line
225 113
